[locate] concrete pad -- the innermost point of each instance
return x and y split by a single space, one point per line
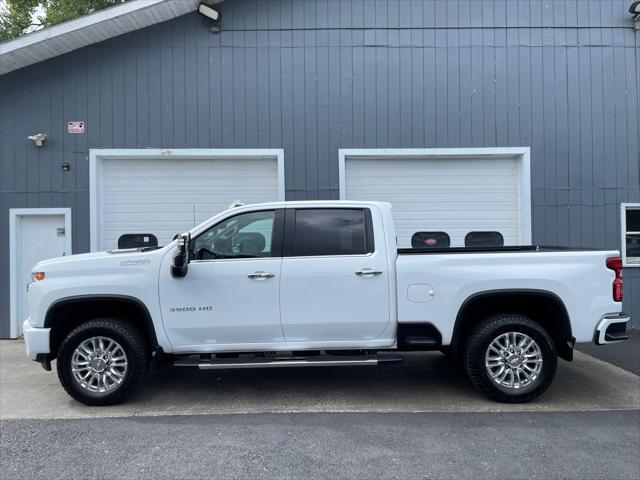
427 382
623 354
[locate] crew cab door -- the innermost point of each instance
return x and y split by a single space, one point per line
335 281
230 294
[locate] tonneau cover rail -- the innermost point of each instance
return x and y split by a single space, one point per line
508 248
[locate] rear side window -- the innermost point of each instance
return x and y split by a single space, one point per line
331 231
484 239
430 240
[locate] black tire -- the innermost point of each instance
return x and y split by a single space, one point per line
478 342
132 342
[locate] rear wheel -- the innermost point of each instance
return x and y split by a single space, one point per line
101 361
510 358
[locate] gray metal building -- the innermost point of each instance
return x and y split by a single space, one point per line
287 92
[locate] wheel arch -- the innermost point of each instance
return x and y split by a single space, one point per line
542 306
67 313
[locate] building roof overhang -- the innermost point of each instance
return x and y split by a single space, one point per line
89 29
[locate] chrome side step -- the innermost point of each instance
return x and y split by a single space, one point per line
282 362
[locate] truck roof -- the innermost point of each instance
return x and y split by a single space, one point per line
236 206
316 203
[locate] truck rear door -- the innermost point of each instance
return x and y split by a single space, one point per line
334 284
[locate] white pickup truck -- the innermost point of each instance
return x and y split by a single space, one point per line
295 284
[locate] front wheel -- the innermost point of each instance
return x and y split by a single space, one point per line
101 361
510 358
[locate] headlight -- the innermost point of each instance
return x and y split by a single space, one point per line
37 276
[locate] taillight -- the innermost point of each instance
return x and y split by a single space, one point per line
615 264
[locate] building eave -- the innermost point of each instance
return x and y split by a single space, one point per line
89 29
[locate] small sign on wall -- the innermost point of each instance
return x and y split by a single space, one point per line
75 127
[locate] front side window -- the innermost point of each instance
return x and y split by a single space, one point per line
332 232
248 235
631 234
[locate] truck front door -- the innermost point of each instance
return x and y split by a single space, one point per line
230 295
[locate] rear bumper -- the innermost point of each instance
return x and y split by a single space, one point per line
36 341
612 328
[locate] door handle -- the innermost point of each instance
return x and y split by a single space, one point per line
260 275
368 272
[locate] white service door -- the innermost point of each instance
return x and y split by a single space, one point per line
456 195
39 237
165 196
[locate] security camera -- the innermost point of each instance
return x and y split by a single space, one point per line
38 138
209 12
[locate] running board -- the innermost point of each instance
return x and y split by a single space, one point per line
421 342
326 361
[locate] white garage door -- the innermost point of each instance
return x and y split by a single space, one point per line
165 196
456 195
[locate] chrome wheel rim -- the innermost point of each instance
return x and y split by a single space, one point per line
513 360
99 364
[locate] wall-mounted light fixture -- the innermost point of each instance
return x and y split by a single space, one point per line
211 14
634 10
38 138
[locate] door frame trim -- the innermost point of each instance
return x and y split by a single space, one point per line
97 155
522 153
15 216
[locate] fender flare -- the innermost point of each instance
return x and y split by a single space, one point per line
136 302
564 344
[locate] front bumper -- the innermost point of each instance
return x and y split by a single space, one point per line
36 341
612 328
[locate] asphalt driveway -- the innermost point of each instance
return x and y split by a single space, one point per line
421 420
422 446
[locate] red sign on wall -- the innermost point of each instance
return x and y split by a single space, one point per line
75 127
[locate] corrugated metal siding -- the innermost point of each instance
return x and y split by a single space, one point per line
316 76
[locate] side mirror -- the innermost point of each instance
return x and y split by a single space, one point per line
180 263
